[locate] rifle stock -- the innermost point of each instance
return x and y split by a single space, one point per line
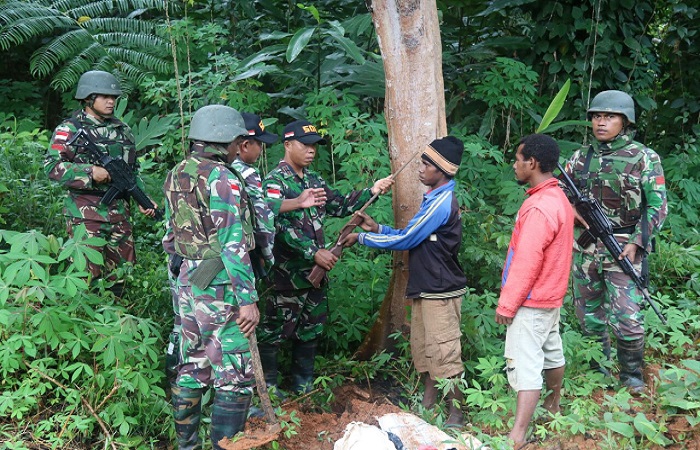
318 273
601 228
123 178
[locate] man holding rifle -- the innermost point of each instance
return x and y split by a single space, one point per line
436 281
626 178
72 165
295 310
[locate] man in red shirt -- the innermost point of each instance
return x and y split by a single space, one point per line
535 279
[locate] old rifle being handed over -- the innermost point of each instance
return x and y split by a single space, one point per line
123 178
601 228
318 273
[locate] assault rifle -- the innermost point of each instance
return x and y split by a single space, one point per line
601 228
318 273
123 179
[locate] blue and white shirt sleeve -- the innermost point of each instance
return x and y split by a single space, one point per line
434 213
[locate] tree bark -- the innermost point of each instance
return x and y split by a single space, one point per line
408 32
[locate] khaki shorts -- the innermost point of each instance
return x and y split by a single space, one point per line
533 344
435 337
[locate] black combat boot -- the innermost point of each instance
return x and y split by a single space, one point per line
228 415
303 355
268 358
187 408
430 393
631 357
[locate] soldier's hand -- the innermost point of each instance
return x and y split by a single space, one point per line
503 320
248 318
151 212
578 218
382 186
100 175
630 251
367 224
325 259
349 240
312 197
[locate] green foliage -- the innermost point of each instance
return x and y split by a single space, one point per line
503 63
72 349
85 35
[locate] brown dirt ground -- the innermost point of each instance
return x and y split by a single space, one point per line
318 430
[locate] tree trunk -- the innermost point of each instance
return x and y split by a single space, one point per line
409 39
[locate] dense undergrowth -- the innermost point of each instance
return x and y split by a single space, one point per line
80 369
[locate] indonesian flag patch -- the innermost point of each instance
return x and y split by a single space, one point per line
236 189
274 192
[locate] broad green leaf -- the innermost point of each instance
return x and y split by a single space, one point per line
555 106
298 42
147 132
624 429
349 46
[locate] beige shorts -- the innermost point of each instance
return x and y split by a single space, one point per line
533 344
435 337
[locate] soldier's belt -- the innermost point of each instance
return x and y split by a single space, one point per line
205 272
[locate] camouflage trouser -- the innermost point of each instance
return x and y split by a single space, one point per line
119 248
603 295
172 352
298 314
213 350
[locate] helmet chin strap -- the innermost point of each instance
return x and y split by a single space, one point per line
90 103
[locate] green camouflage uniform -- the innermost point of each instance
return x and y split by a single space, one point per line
265 211
295 309
72 167
621 173
206 212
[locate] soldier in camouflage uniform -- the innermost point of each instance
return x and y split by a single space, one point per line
297 311
627 179
86 182
209 219
249 148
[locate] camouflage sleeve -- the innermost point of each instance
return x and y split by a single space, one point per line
339 205
60 163
654 188
265 219
169 237
225 204
288 225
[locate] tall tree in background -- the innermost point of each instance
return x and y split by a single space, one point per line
408 33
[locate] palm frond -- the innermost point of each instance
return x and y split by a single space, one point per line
84 35
90 57
139 58
133 40
118 24
63 47
22 24
92 8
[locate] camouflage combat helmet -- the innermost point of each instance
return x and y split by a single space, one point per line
218 124
617 102
97 82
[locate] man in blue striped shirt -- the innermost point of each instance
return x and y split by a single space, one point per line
436 281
